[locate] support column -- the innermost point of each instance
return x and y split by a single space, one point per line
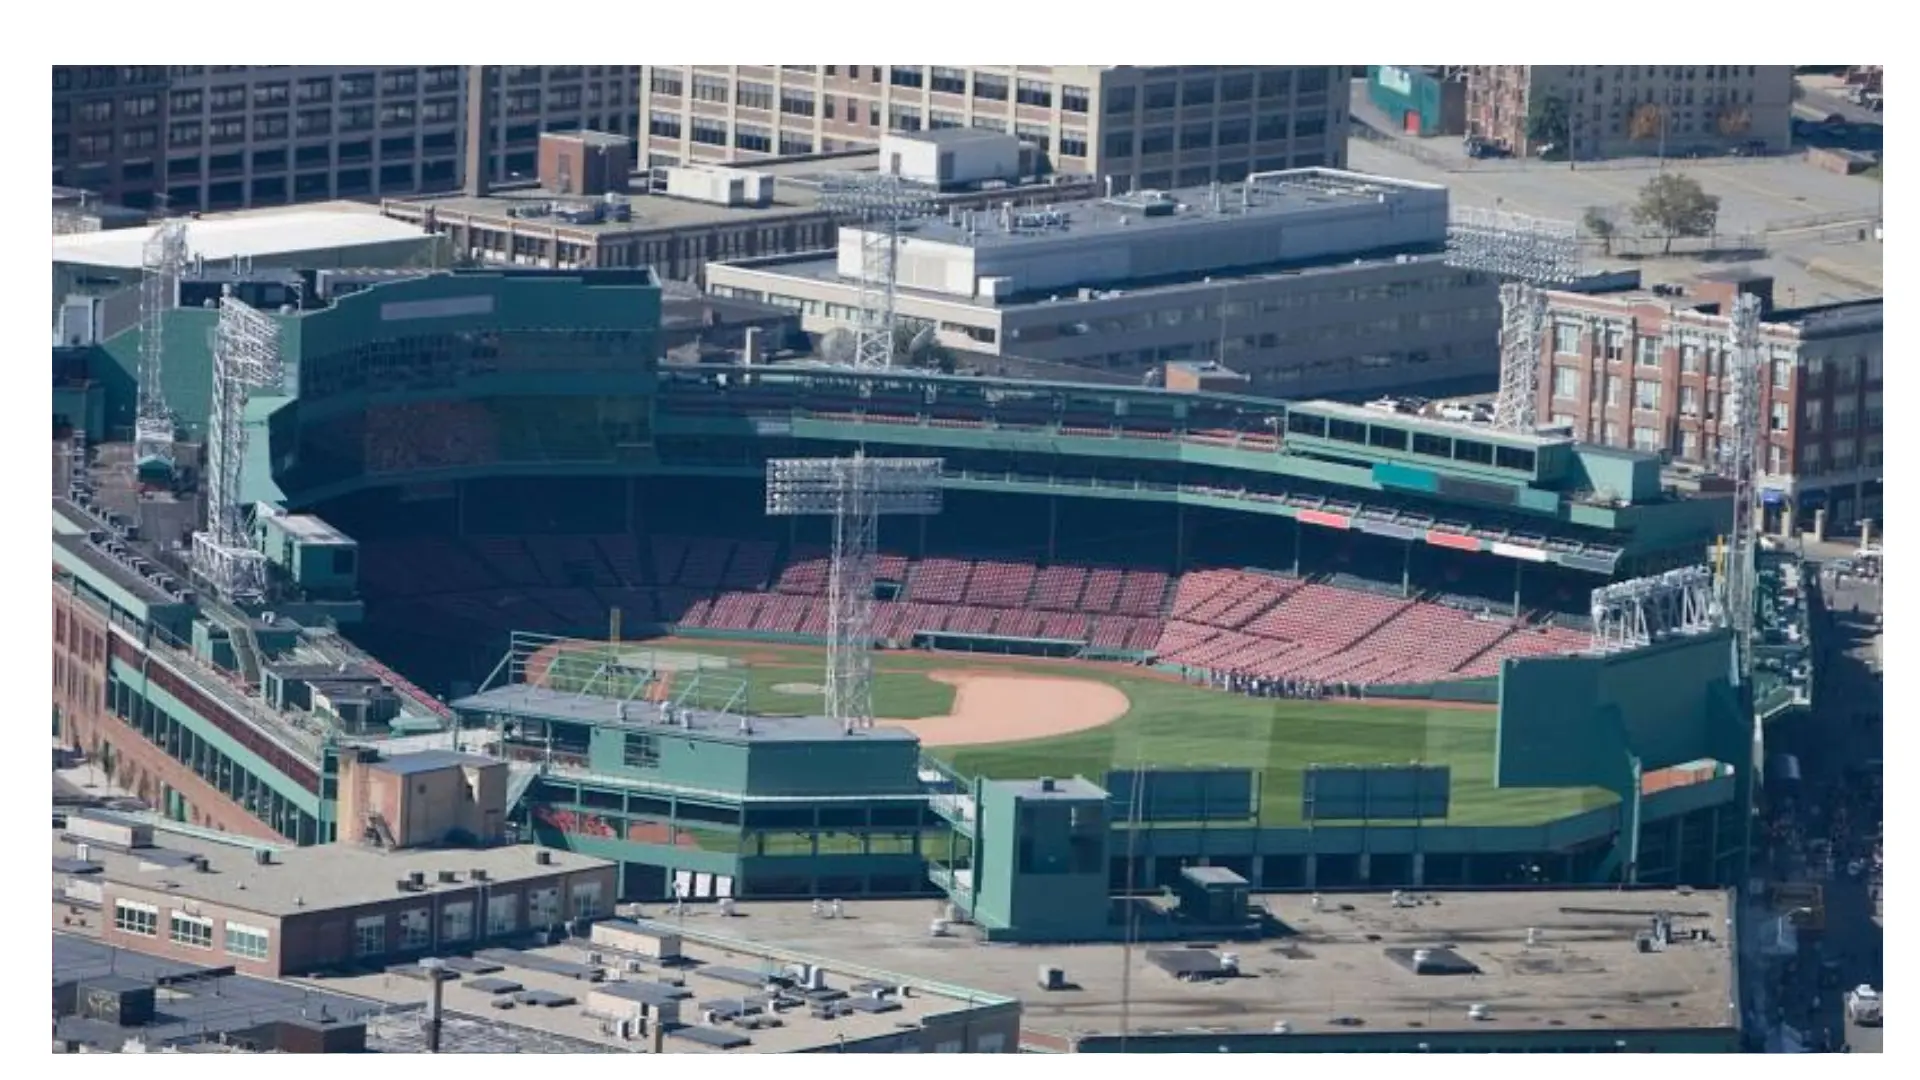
1053 528
1312 875
1419 869
1518 566
1258 869
1406 571
1299 531
1366 867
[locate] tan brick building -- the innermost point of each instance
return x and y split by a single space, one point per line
1147 127
1640 110
1648 371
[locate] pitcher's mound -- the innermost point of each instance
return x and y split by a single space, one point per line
996 707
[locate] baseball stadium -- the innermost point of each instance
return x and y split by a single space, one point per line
1153 641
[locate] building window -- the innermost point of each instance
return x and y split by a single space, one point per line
1845 416
1647 352
1646 439
990 87
755 95
1616 345
190 930
710 88
135 918
796 102
456 921
1646 393
1782 417
709 132
370 935
1120 101
753 138
1810 459
1566 383
1813 418
1073 144
1776 460
1033 92
1690 445
543 907
1611 434
664 124
948 80
503 915
1616 388
1782 373
911 76
642 752
1073 99
1689 401
183 101
665 83
1690 359
1162 96
1236 88
416 929
1157 141
1566 339
586 900
246 942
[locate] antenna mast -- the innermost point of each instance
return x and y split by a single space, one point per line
855 491
1740 462
246 356
162 259
1531 253
878 205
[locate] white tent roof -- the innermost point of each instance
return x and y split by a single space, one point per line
224 238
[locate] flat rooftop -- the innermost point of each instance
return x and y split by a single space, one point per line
195 1004
651 213
824 267
306 879
1584 972
713 975
1432 425
261 236
1295 194
537 701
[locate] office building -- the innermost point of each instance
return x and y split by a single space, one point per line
1306 281
1146 127
228 137
1637 110
1646 369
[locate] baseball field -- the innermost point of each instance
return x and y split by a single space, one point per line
998 717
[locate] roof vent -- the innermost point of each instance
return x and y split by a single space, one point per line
543 857
1477 1011
1047 783
477 874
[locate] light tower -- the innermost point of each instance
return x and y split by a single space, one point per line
162 258
1740 462
1531 253
855 491
246 356
877 204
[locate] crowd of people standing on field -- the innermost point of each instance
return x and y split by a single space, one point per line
1262 686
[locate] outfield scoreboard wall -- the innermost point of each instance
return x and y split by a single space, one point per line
1171 795
1376 793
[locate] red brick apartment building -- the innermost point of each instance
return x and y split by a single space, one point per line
1646 369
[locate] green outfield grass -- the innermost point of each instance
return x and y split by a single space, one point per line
1172 724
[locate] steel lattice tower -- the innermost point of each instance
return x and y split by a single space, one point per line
162 258
1740 462
1530 253
246 356
856 492
876 204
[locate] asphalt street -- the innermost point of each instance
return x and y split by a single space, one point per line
1832 821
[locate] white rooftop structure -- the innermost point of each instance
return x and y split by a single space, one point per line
263 236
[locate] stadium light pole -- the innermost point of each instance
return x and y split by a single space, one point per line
1530 253
855 492
876 205
246 356
162 258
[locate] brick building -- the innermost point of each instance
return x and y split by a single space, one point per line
1146 127
1636 110
1646 370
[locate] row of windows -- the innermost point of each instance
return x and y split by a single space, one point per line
193 931
1193 93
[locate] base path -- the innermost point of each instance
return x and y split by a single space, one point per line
996 707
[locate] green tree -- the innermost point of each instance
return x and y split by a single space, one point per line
1676 205
1599 221
1547 121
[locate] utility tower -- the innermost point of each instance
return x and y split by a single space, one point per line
162 259
1531 253
1740 462
246 357
877 205
855 492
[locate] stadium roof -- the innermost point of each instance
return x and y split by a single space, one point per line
253 237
